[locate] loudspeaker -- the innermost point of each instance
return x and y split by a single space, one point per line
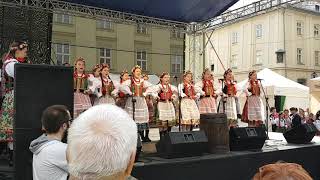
247 138
301 134
212 67
36 88
182 144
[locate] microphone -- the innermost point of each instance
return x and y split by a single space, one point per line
259 79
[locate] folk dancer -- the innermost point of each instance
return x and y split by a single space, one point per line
105 89
121 96
94 81
17 54
253 111
190 114
165 93
227 103
208 93
135 87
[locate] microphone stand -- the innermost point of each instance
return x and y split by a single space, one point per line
223 100
179 108
267 108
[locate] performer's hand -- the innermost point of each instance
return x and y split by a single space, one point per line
88 91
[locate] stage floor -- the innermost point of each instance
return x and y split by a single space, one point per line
235 165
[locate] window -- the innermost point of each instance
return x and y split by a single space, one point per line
299 28
302 81
141 29
104 24
316 30
177 34
259 31
316 57
105 56
280 57
142 59
233 62
63 18
258 57
234 37
62 53
299 56
176 63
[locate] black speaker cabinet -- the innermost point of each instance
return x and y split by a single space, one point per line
36 88
182 144
301 134
247 138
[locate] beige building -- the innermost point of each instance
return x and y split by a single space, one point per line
285 39
120 45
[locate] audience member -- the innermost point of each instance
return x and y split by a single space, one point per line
274 117
296 118
282 171
102 144
49 153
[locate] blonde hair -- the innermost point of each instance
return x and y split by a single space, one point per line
282 171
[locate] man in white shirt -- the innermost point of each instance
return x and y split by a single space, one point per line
49 153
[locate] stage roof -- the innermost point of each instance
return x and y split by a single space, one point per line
176 10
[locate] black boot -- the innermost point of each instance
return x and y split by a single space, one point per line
146 138
141 133
169 129
138 153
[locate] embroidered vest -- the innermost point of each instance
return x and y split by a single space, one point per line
255 88
165 93
189 90
230 89
80 82
136 88
208 88
107 87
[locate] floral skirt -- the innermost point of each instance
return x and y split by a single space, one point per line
7 116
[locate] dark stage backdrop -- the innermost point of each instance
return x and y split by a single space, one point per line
36 87
32 26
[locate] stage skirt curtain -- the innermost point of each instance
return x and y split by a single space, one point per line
207 105
121 102
7 116
167 113
231 108
189 112
141 113
253 110
82 102
104 100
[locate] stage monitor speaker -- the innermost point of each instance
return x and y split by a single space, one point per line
247 138
182 144
301 135
36 88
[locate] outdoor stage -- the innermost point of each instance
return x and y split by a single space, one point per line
232 166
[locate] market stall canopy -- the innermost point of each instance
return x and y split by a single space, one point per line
176 10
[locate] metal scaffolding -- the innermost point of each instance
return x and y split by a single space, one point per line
56 6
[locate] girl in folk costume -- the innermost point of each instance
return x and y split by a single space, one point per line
17 54
149 101
227 103
208 93
105 89
135 87
253 108
189 110
81 93
165 93
94 81
121 96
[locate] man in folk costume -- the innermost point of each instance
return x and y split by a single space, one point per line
94 81
165 93
253 109
135 87
105 89
208 93
227 103
17 54
81 93
189 111
121 96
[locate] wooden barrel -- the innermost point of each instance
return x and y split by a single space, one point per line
216 128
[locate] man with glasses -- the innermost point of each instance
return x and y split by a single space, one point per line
49 153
